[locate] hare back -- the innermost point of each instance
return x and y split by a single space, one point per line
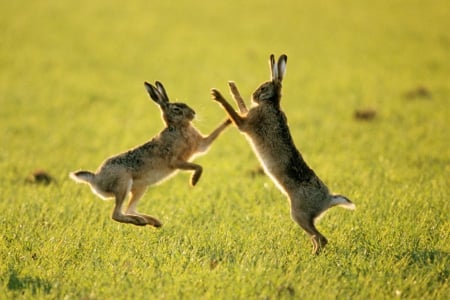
151 162
114 175
170 143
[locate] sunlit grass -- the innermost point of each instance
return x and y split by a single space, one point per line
71 94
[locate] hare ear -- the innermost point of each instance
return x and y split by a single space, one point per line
282 61
162 90
154 94
273 68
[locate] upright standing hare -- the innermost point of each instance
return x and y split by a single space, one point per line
266 128
133 171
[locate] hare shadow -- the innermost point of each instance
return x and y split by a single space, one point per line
34 284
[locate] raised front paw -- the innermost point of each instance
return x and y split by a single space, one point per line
196 176
216 95
233 88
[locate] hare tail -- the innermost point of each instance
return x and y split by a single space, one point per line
342 201
82 176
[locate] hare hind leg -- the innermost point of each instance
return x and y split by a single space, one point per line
122 191
136 195
306 222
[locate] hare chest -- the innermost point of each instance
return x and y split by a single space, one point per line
269 136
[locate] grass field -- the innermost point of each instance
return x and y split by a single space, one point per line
71 94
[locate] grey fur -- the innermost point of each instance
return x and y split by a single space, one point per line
265 126
134 170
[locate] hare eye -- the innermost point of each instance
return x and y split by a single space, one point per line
177 110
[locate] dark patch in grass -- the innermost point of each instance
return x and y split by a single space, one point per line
213 263
286 290
40 177
426 258
258 171
419 92
35 284
365 114
427 161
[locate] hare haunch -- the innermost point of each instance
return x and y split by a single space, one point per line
133 171
265 126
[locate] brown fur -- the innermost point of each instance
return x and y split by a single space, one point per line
133 171
265 126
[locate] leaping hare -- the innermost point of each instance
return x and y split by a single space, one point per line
133 171
265 126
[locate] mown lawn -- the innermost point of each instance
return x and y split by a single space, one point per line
367 97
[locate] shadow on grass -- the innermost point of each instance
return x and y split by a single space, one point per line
34 284
427 258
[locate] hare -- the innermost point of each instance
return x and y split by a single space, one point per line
133 171
265 126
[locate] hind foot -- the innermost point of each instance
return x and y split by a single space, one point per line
130 219
152 221
319 243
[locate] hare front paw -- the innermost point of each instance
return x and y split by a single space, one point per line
217 96
196 176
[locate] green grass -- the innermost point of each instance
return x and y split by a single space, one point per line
71 94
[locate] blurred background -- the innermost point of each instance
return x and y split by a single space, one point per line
366 94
